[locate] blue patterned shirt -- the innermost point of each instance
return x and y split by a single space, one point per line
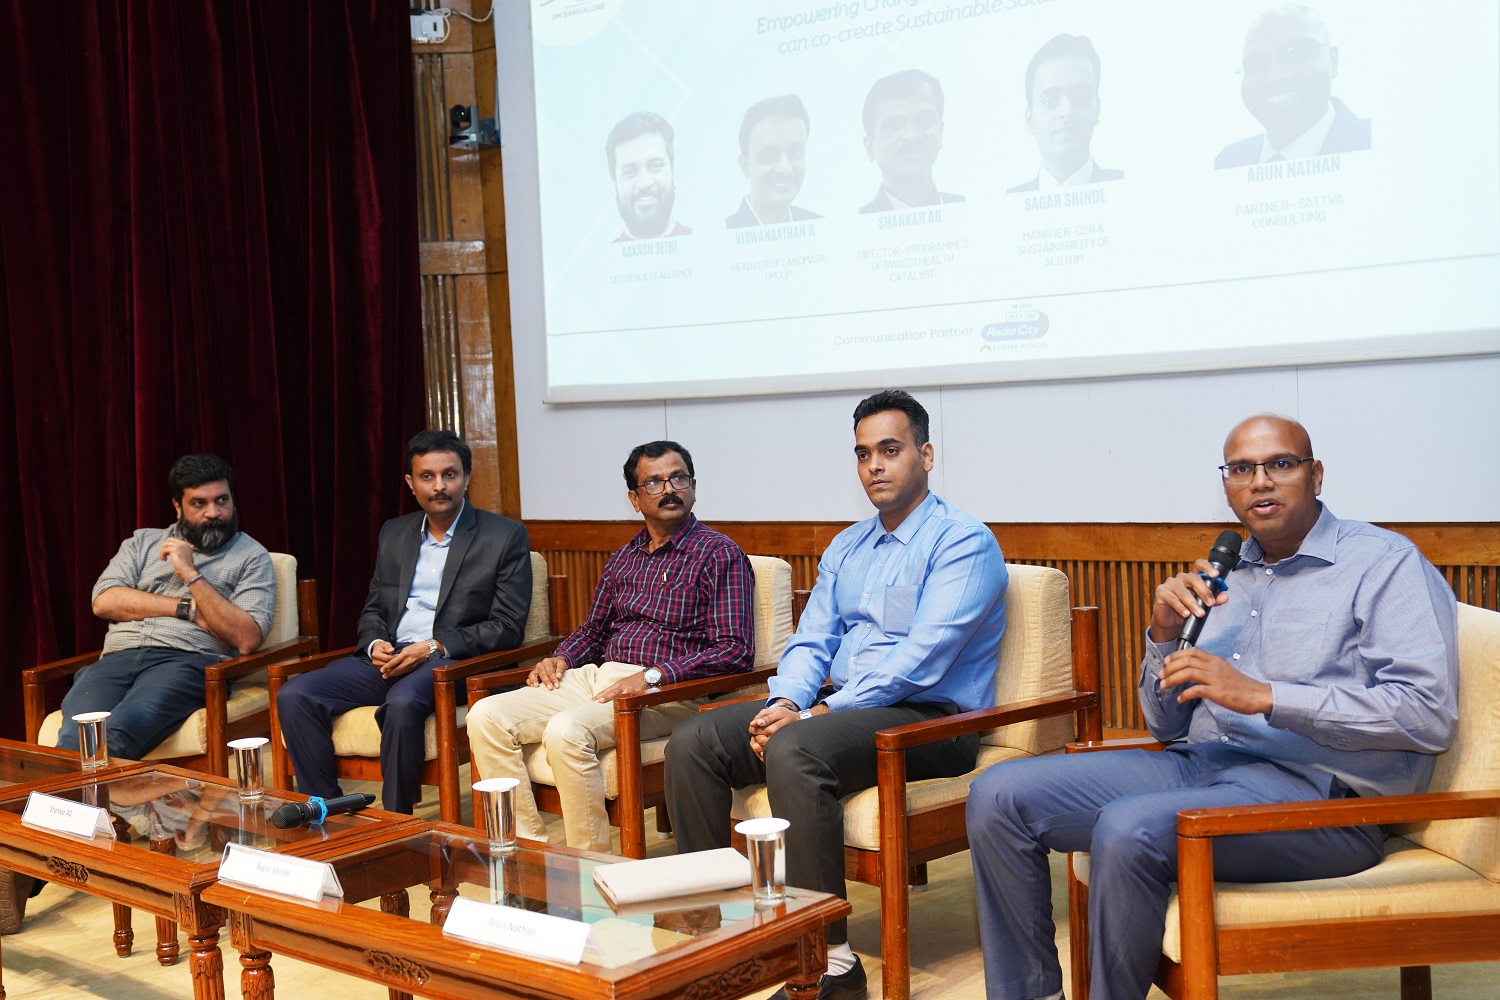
1357 635
914 614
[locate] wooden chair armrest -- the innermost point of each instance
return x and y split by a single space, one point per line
459 669
302 645
700 687
1379 810
482 684
58 668
279 672
1124 743
919 733
721 702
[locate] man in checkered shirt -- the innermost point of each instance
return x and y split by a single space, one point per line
672 604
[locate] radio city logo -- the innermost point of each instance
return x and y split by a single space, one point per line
1023 324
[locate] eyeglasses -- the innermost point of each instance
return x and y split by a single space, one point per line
1278 470
654 487
1290 56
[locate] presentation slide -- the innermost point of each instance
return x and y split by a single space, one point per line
773 197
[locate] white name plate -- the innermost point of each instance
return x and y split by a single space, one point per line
310 880
539 935
62 816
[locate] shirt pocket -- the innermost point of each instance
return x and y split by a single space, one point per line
900 609
1292 644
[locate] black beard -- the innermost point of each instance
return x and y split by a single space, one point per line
210 536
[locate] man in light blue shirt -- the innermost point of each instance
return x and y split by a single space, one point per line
1328 668
903 626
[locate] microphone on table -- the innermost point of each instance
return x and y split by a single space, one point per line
1222 557
316 809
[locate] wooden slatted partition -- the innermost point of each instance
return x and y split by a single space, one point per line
1115 567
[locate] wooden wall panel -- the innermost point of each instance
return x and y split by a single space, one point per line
1114 567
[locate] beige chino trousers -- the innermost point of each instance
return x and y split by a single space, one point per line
573 730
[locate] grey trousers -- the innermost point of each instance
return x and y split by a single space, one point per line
810 764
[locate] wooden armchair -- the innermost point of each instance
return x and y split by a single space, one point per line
633 770
236 699
236 705
1434 899
356 736
1046 689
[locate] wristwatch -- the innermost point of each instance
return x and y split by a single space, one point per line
185 608
432 648
806 713
653 676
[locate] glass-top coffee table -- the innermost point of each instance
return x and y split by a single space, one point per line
170 827
709 946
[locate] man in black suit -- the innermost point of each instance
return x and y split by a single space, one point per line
450 582
903 120
1062 111
1287 74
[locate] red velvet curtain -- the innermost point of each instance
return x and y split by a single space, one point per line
207 243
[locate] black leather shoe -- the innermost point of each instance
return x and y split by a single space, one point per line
852 985
15 890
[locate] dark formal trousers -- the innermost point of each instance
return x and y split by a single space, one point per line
148 691
308 703
810 765
1121 807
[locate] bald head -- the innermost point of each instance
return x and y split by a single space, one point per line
1286 428
1288 67
1294 15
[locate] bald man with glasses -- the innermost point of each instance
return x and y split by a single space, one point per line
1328 669
673 604
1287 71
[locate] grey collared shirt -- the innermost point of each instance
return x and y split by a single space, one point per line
1357 635
241 571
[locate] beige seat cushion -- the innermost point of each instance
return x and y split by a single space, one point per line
1472 763
541 771
355 733
1411 880
247 696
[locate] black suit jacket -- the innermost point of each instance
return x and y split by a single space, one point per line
485 593
1349 133
745 216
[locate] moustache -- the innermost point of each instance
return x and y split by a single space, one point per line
670 500
440 496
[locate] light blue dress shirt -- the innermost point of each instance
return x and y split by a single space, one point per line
1357 635
426 583
914 614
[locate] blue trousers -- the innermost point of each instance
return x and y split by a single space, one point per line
307 704
1121 807
148 691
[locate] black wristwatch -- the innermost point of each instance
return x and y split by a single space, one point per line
185 608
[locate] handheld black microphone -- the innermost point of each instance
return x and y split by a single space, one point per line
1222 557
316 810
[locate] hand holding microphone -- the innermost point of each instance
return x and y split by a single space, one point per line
1183 602
316 809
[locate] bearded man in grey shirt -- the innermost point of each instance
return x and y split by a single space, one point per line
177 599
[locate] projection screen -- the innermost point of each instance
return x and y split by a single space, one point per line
771 197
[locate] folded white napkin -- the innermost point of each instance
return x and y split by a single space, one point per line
677 875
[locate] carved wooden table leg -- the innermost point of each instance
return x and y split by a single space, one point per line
166 929
2 979
442 902
207 965
124 933
813 952
398 903
257 981
167 948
